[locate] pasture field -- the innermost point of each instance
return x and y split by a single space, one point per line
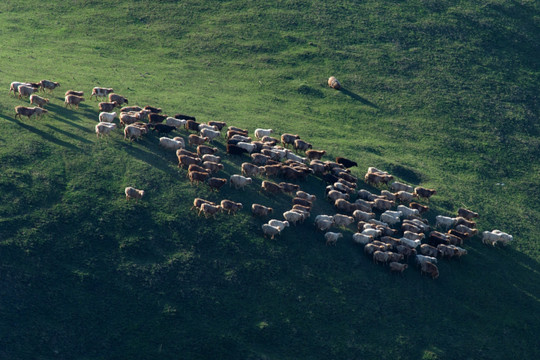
439 93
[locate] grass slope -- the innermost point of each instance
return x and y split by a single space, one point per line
440 93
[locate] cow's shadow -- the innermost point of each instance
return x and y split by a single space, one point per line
358 98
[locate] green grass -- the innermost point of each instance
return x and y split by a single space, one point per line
439 93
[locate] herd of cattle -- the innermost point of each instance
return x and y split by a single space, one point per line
390 225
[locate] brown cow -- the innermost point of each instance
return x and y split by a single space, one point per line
424 192
216 183
397 267
430 269
197 177
271 187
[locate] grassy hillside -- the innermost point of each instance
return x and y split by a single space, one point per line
439 93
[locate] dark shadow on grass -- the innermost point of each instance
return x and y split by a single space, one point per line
64 115
44 135
76 137
151 158
358 98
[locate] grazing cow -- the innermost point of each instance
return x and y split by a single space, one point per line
323 224
38 100
230 206
334 83
212 158
421 208
249 169
424 192
218 124
281 225
49 85
100 92
261 210
74 92
186 152
293 217
209 209
216 183
184 117
462 221
26 90
175 122
171 144
410 243
380 257
445 222
366 195
235 150
104 128
408 212
496 236
195 140
343 220
107 117
131 108
71 100
429 250
377 178
397 267
360 215
406 251
239 181
435 238
204 150
288 187
332 238
288 139
345 206
346 162
107 107
156 118
197 202
362 239
397 186
132 193
161 128
383 204
465 229
271 187
315 154
301 145
197 177
209 133
118 98
21 111
152 109
128 118
370 248
430 269
192 125
404 196
467 214
195 167
260 133
188 160
420 259
269 230
305 195
461 235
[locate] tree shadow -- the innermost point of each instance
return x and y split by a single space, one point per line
43 134
358 98
81 139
